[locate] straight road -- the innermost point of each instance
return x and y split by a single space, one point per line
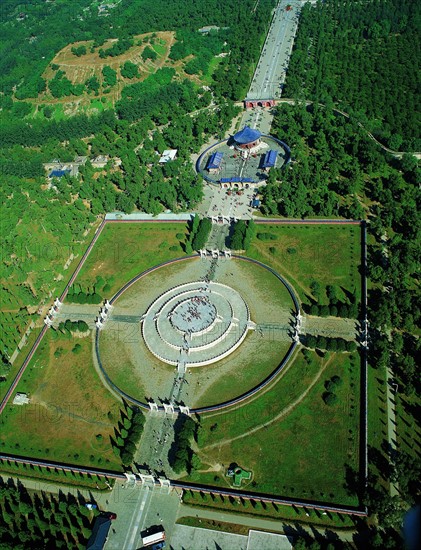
271 69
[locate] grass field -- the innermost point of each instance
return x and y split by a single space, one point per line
329 254
293 442
125 250
71 415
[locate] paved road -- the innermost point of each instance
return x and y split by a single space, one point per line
271 69
139 508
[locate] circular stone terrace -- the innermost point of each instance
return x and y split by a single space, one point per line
195 324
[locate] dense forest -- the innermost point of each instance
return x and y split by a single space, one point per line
363 56
30 40
338 170
41 520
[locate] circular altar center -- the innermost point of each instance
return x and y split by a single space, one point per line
193 315
195 324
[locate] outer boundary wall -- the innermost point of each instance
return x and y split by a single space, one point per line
120 476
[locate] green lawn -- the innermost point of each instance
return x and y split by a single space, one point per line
328 254
213 65
302 452
69 408
125 250
160 47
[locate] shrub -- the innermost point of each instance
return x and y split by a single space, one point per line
314 309
333 310
324 311
77 349
351 346
330 398
266 237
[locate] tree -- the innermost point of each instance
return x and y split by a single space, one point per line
79 51
92 84
129 70
330 398
149 53
110 76
316 289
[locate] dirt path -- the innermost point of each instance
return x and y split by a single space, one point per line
284 411
330 327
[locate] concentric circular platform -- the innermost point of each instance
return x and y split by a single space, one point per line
195 324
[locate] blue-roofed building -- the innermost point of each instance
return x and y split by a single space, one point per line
214 162
247 138
99 533
269 160
58 173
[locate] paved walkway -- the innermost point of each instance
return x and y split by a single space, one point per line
331 327
391 389
281 526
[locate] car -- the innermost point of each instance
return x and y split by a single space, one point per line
158 545
91 506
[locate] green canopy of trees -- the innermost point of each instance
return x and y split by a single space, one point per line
364 57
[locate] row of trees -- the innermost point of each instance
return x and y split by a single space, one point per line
242 235
73 326
329 344
334 310
35 520
181 457
83 298
118 48
128 435
199 233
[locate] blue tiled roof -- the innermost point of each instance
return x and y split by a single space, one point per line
247 135
214 160
58 173
236 179
269 159
99 533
